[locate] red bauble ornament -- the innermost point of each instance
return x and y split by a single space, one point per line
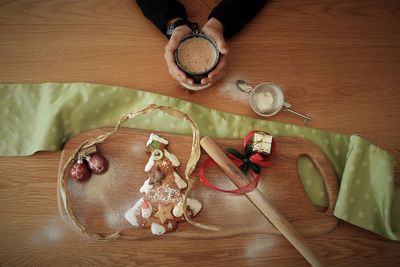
97 163
80 171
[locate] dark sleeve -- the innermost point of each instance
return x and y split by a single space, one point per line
234 14
160 11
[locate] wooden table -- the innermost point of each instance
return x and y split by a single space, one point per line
339 59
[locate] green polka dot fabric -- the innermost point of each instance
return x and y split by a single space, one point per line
38 117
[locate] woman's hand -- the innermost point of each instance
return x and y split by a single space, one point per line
215 30
170 48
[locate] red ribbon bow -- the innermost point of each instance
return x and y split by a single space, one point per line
250 161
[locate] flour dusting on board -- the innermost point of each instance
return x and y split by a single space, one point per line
138 149
114 218
98 188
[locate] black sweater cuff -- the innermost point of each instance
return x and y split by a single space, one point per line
234 14
161 11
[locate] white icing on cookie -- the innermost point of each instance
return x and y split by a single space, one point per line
195 205
146 211
157 229
146 187
170 226
131 214
177 211
179 181
149 164
154 137
165 194
172 158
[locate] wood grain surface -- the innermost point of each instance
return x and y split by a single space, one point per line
338 59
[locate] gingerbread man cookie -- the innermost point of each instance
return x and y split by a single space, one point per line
161 207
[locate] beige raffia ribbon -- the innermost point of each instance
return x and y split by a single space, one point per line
190 167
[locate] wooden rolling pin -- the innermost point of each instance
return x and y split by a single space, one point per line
262 204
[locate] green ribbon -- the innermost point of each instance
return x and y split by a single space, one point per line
246 163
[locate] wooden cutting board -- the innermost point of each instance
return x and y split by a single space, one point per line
101 202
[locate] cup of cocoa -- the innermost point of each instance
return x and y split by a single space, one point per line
197 55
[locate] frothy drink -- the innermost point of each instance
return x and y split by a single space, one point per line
197 55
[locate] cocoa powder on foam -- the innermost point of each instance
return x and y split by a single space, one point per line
196 55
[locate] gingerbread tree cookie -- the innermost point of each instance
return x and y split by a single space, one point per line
161 207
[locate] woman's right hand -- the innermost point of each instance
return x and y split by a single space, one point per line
173 69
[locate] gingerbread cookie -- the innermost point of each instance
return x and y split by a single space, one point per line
161 207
